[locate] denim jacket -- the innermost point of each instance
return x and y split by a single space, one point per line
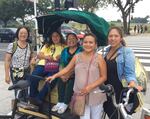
125 63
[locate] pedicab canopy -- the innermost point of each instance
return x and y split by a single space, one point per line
53 21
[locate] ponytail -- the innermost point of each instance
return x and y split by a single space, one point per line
123 42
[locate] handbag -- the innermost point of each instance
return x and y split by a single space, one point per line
18 73
138 98
51 66
141 75
77 104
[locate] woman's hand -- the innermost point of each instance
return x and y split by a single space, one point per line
140 88
7 79
49 57
133 84
64 78
50 78
57 57
33 61
86 90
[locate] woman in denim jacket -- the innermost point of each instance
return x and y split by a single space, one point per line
120 62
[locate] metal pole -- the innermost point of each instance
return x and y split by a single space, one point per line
36 27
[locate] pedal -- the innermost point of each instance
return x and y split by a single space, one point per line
28 106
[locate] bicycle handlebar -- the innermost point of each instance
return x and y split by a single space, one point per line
109 90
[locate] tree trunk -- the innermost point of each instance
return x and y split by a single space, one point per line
125 24
5 23
23 21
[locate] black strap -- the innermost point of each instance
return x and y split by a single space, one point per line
53 51
114 53
92 58
71 55
25 56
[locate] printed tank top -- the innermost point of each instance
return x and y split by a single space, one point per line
81 69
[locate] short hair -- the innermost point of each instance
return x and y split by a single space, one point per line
71 34
21 27
91 34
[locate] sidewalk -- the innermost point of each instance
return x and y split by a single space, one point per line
6 96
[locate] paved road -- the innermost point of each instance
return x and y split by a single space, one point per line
2 50
140 45
141 48
6 96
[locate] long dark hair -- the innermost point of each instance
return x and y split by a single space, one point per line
50 42
120 33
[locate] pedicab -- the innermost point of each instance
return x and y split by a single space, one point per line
46 25
53 21
98 26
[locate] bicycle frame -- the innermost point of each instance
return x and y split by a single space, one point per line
109 90
144 112
17 108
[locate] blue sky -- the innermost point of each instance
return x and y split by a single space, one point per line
142 9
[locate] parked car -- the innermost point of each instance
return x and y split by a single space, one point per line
80 34
65 31
7 34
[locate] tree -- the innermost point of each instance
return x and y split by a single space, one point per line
6 11
13 9
125 6
46 5
140 20
43 6
22 8
92 5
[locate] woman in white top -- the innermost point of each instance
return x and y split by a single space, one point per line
18 56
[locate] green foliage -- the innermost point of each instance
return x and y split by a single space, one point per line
140 20
42 6
19 9
112 24
125 7
23 7
92 5
6 11
13 9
